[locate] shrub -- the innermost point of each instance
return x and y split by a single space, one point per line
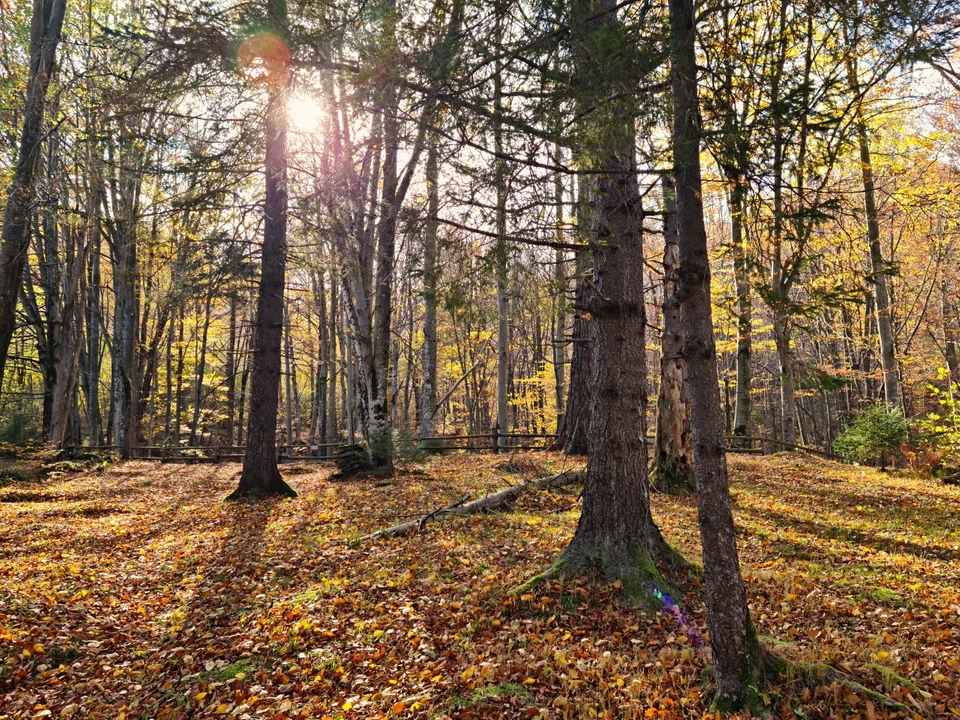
874 436
22 423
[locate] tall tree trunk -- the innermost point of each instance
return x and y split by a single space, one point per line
260 475
428 396
230 371
573 435
168 364
181 350
201 370
500 258
742 424
332 333
616 534
879 270
560 316
379 434
46 25
736 652
287 377
124 357
673 458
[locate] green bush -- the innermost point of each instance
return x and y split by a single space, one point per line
22 423
873 437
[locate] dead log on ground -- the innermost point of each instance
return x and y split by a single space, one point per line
487 503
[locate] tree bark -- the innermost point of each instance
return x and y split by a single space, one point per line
673 458
428 395
45 29
616 533
560 316
732 638
260 475
742 423
573 435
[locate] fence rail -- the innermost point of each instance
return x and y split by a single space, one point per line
490 442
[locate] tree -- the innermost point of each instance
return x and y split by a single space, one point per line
260 475
46 25
736 650
616 533
673 453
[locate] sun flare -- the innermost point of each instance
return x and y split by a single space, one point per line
305 113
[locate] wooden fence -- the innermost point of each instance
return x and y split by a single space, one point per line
487 442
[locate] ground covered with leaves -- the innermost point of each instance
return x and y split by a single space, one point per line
133 591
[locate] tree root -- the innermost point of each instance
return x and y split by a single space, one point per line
488 503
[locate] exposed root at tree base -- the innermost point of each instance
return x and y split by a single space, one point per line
277 488
638 574
769 669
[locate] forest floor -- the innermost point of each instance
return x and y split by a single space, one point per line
133 591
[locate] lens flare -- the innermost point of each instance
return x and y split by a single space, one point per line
678 615
264 58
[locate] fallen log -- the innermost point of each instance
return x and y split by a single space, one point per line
487 503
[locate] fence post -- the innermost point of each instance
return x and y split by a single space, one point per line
496 437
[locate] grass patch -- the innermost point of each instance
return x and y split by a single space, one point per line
486 692
243 666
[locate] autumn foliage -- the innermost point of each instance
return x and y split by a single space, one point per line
133 591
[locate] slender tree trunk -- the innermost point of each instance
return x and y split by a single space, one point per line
560 317
428 396
230 371
879 269
673 459
46 25
201 369
181 350
573 435
288 377
260 475
331 405
168 414
742 424
732 638
71 340
500 258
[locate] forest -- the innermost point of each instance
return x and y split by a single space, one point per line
430 358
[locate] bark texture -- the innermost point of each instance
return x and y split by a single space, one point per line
261 476
734 644
45 29
616 534
673 458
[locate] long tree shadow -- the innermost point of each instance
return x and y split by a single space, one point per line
854 536
228 581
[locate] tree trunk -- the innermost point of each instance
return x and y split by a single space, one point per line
742 424
230 371
332 335
616 534
879 269
260 475
500 258
46 25
201 369
788 396
428 396
732 638
573 435
673 459
560 317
